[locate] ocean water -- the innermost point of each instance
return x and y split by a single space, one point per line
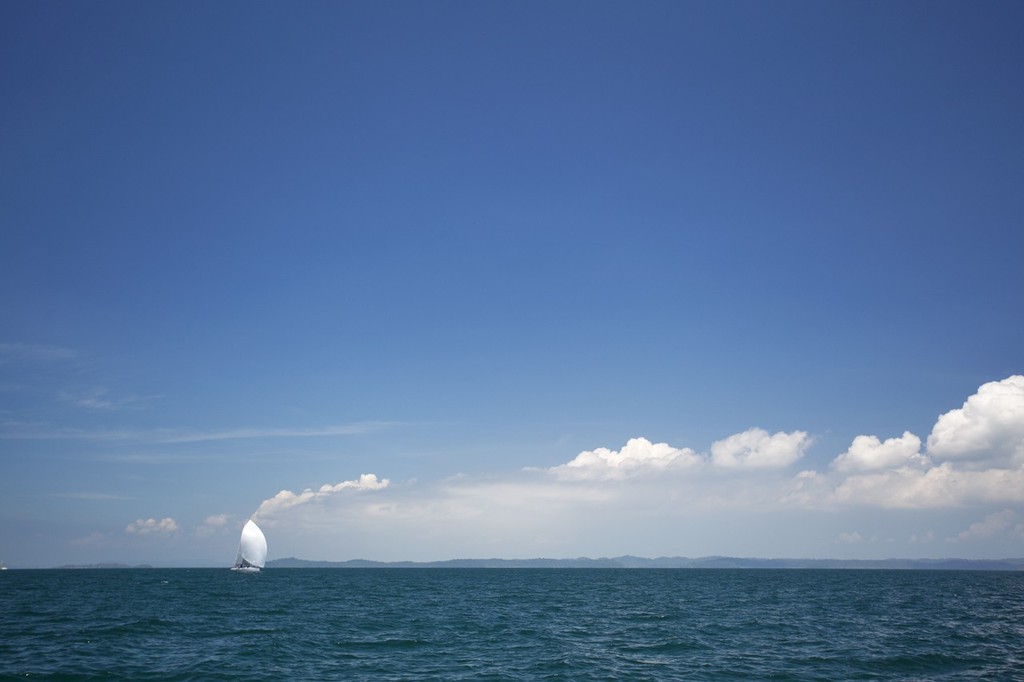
511 624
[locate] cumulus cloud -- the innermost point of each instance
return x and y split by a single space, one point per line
213 524
988 429
807 489
638 455
216 521
868 453
752 449
979 450
757 449
152 526
286 499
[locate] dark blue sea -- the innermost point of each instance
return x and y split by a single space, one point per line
511 624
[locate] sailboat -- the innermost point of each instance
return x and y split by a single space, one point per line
252 549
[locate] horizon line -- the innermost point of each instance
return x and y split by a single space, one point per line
709 561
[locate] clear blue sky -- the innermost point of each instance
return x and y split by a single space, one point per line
255 247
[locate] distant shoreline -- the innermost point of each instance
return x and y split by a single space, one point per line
712 562
949 564
104 565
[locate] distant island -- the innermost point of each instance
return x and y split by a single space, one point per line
672 562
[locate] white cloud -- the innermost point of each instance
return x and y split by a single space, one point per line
461 517
980 449
943 486
637 456
752 449
988 429
286 499
807 489
150 526
997 524
213 524
216 521
756 449
853 538
867 453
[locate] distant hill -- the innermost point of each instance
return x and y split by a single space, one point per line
672 562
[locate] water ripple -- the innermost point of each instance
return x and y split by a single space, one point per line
511 624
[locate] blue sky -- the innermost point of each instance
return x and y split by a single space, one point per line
572 278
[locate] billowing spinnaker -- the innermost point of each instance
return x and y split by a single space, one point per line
252 548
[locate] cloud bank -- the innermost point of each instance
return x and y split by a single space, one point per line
974 455
1005 522
970 466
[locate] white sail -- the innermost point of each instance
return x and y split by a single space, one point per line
252 549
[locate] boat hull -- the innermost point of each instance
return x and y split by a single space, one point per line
245 569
